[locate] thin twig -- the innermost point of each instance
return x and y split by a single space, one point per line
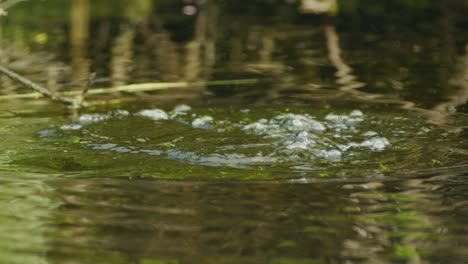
89 83
140 87
36 87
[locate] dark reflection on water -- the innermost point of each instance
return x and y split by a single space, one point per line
125 220
197 222
376 54
64 203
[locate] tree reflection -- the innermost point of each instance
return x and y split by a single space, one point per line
226 40
79 38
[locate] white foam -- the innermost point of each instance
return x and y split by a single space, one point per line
154 114
376 144
355 113
332 155
92 118
202 122
71 127
370 134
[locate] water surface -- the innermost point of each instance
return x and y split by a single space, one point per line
348 144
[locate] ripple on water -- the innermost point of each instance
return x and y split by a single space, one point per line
284 141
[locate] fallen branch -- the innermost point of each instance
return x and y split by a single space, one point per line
131 88
36 87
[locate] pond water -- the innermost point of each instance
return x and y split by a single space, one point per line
300 138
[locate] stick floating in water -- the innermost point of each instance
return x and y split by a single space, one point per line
130 88
36 87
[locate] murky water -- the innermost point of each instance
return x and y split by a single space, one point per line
344 142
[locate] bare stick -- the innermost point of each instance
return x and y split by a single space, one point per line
80 98
142 87
90 82
36 87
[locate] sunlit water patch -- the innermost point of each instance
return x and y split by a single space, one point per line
291 144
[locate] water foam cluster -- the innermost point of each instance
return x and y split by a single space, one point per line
290 137
304 134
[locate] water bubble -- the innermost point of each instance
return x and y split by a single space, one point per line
182 108
257 127
301 180
425 130
71 127
355 113
297 145
301 136
92 118
121 149
154 114
370 134
102 146
202 122
333 117
316 126
120 112
331 155
376 144
352 121
296 123
151 152
46 133
347 146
